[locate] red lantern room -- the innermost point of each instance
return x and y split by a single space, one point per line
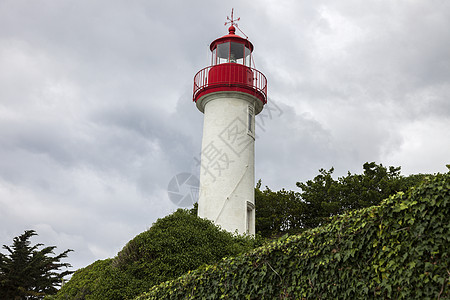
230 69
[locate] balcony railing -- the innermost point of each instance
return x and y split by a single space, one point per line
230 77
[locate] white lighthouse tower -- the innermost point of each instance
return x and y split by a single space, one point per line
229 93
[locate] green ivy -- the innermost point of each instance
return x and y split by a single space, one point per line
397 250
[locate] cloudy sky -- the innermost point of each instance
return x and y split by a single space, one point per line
96 112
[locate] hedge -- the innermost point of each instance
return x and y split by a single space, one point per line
397 250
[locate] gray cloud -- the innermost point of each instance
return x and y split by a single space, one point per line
96 114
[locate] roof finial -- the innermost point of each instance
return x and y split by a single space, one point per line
232 22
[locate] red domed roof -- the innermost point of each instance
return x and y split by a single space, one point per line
231 37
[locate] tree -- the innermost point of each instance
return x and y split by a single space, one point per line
291 212
325 197
276 212
29 273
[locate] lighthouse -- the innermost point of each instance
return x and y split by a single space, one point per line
229 93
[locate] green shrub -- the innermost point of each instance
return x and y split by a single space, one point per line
176 244
97 281
173 246
397 250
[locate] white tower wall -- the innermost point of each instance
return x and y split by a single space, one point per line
227 174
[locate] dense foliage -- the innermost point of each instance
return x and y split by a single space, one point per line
29 273
99 280
173 246
397 250
291 212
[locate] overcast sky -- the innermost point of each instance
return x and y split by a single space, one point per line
96 112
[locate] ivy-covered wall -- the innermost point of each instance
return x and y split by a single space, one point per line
397 250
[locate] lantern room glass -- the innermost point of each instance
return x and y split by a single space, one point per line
237 53
247 57
223 52
231 52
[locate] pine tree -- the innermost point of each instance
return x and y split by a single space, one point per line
29 273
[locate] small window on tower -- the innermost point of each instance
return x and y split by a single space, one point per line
250 226
250 120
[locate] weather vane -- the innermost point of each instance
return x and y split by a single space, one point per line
233 23
232 20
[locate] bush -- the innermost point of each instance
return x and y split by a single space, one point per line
97 281
173 246
399 249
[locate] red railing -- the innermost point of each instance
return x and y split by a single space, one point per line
230 77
